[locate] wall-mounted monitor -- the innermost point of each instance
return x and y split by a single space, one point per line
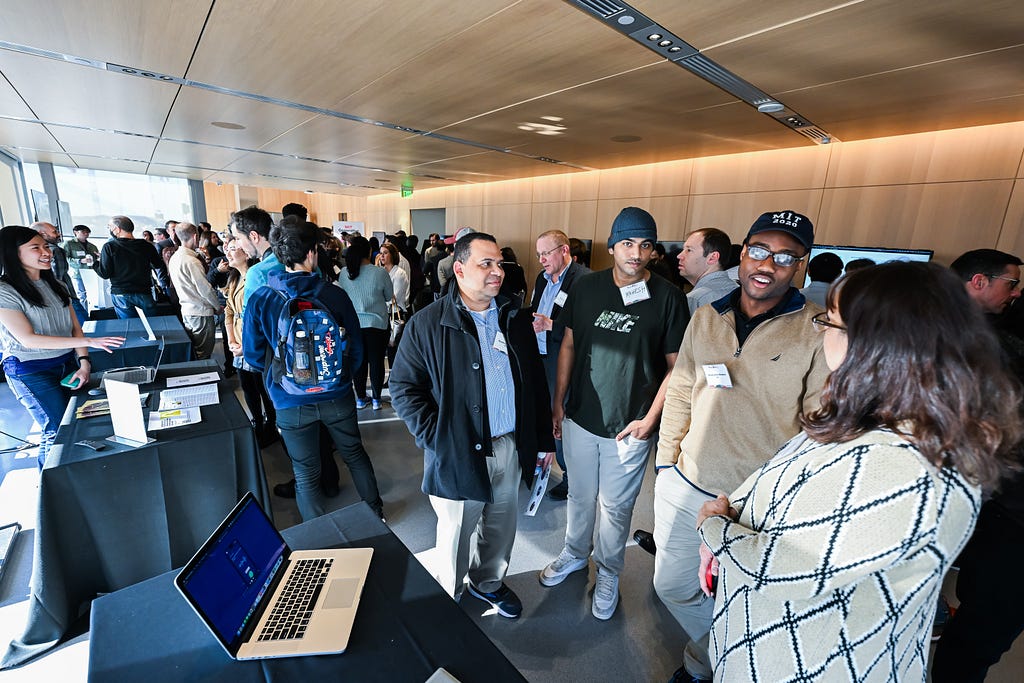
877 254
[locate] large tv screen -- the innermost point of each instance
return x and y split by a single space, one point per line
877 254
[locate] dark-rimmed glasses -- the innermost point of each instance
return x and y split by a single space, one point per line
820 322
781 259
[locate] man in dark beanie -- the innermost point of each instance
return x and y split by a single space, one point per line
623 328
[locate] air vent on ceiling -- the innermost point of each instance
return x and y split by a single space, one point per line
816 134
718 75
132 71
602 8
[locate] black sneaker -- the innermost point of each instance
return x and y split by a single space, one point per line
645 539
559 491
285 490
504 600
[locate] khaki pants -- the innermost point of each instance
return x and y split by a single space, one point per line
475 538
606 479
202 330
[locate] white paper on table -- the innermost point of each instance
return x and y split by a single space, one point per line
540 485
126 410
89 326
189 380
165 419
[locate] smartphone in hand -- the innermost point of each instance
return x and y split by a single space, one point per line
71 382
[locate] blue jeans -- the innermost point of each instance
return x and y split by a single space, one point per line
45 399
124 304
300 429
79 310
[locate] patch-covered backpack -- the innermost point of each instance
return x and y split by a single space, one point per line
310 355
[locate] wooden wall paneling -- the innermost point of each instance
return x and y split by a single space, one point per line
1011 237
981 153
949 218
563 187
511 226
784 169
221 200
735 212
271 199
508 192
670 215
456 217
471 194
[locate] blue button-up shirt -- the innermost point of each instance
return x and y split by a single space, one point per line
501 398
547 304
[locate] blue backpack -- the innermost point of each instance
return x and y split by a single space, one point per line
310 355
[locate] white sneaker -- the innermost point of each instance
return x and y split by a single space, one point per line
561 567
606 595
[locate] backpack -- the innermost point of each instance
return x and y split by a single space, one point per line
310 355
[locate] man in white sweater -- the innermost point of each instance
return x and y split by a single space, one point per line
199 302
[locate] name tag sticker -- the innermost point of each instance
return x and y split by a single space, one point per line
560 298
499 343
718 376
635 292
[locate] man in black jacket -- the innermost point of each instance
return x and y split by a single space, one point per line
466 382
549 294
127 263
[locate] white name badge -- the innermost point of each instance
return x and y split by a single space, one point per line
560 298
499 343
718 376
635 292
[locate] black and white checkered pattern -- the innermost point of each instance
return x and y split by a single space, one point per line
833 569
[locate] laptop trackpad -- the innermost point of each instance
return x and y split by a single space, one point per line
341 593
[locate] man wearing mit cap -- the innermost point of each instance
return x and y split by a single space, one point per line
445 266
749 365
622 329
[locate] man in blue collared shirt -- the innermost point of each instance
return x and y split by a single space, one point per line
549 294
465 381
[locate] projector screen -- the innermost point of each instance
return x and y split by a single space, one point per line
877 254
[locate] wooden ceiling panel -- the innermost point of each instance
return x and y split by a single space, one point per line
28 136
703 24
297 170
199 156
61 92
412 152
675 115
100 144
331 138
119 165
195 110
151 35
870 38
973 91
530 50
321 52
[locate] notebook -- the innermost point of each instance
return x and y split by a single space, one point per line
142 374
261 599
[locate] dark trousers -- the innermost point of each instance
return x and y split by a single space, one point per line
375 345
550 362
991 594
301 427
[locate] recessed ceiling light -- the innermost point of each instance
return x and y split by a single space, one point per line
552 118
530 128
770 107
626 19
664 43
549 132
227 125
675 48
654 36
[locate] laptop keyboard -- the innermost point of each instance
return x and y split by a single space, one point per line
291 613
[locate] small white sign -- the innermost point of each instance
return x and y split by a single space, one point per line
560 298
635 292
717 376
189 380
499 343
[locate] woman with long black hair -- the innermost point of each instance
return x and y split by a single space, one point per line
40 337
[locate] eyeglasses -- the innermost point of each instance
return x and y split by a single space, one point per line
1013 281
544 254
781 259
821 323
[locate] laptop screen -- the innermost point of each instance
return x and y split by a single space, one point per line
230 574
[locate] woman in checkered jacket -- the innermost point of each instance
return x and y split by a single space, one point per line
831 556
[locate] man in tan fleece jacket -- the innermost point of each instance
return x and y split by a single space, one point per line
749 364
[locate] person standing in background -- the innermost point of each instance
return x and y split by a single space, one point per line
82 255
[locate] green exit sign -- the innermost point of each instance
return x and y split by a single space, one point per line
407 190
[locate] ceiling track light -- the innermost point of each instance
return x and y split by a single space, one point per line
657 38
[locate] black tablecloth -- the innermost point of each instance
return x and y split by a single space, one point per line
405 629
138 349
112 518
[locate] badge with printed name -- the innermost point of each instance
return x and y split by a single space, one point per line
635 292
717 376
560 298
499 343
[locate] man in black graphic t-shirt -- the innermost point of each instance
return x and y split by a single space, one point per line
623 329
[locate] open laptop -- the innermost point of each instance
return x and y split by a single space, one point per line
142 374
261 599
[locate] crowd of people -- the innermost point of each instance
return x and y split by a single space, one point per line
823 455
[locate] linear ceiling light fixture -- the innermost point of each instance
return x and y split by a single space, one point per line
660 40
